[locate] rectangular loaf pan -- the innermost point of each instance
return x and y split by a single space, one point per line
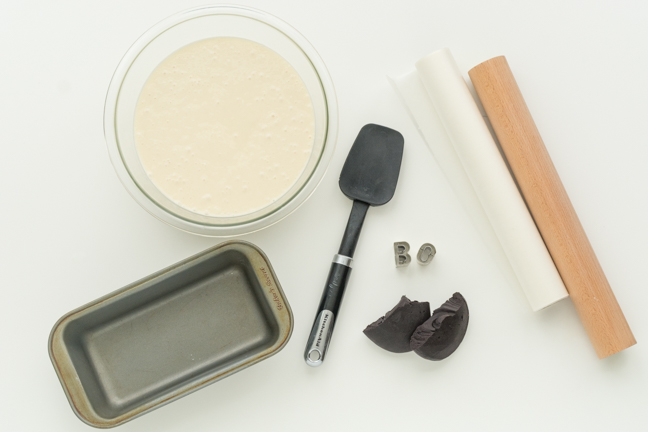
170 334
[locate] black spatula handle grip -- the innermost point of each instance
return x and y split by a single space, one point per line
329 306
327 312
335 285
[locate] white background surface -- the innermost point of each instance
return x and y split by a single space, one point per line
70 233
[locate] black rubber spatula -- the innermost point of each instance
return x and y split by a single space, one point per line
369 178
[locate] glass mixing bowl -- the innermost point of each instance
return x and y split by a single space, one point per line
180 30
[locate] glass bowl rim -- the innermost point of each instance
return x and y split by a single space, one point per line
261 222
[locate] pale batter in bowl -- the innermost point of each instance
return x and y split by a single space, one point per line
224 126
221 120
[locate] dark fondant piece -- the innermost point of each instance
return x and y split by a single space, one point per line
393 331
439 336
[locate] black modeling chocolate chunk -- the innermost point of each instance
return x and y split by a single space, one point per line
393 331
439 336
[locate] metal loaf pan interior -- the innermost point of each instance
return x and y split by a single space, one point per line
169 334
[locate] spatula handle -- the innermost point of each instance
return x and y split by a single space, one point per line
327 311
329 306
352 231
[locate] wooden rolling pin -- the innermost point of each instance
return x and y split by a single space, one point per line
551 208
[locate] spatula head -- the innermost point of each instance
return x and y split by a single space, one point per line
371 170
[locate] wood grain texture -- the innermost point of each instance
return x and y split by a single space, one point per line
551 208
